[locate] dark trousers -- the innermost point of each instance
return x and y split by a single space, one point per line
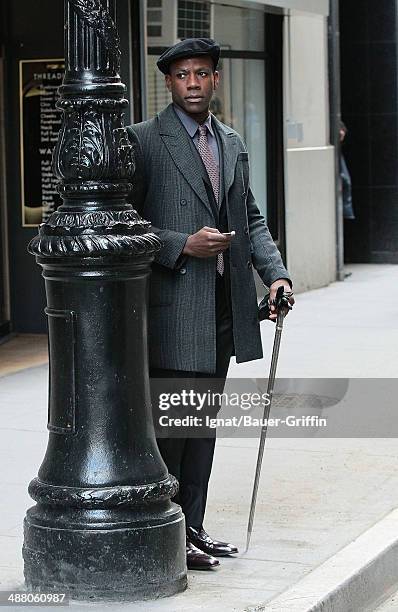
190 459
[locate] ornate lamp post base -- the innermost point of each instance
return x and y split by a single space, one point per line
123 558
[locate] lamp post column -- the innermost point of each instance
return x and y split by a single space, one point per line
103 526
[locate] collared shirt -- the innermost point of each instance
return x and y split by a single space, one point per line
191 127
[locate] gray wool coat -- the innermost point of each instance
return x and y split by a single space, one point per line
169 191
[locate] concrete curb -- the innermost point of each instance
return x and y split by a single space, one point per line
355 578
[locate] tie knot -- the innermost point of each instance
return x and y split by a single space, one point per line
202 130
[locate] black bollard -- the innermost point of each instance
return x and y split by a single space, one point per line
103 526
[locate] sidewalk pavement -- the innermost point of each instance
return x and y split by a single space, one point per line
316 495
391 605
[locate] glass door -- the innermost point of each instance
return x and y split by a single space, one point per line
240 103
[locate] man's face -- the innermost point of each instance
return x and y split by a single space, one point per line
192 82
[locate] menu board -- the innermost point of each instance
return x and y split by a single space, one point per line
40 122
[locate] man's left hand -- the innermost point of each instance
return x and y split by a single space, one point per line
272 295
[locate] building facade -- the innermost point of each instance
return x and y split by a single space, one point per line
274 92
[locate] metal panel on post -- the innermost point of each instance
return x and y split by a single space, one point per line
103 526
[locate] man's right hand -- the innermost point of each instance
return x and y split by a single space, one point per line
207 242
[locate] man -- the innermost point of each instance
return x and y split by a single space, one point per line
192 183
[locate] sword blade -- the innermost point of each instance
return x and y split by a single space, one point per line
267 408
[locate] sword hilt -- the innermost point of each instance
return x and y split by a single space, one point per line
281 303
282 299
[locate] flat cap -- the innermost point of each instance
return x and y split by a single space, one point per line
190 47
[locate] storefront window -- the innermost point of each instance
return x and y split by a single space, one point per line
193 19
237 28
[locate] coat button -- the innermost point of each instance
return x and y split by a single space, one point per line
183 202
249 265
246 230
183 271
244 194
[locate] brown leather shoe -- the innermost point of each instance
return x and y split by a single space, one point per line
204 542
199 560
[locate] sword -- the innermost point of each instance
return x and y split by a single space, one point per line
282 306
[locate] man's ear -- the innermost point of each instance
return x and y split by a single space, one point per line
216 79
167 79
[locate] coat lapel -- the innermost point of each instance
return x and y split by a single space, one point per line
177 143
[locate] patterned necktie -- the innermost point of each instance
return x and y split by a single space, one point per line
214 175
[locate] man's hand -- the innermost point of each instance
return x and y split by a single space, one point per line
281 282
207 242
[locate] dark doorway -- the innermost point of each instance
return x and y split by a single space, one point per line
275 144
368 33
4 286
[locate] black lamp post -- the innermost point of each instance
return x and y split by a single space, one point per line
103 525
